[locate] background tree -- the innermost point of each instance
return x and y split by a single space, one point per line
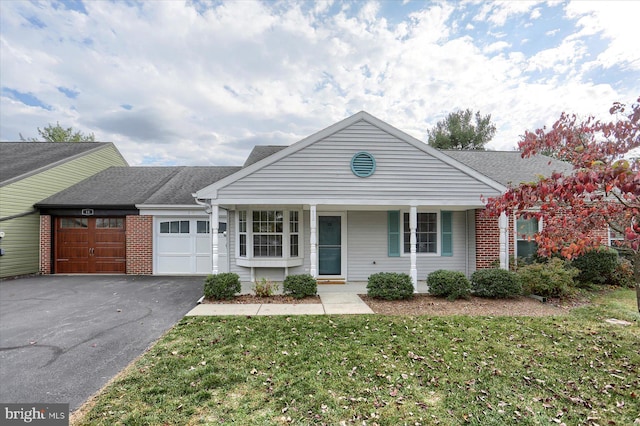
457 131
57 133
603 189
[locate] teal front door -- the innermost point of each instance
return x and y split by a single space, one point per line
329 245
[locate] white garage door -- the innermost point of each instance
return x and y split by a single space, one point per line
183 246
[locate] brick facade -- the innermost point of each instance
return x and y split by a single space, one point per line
45 244
139 245
488 240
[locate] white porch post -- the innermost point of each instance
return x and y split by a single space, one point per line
504 241
413 225
313 240
214 225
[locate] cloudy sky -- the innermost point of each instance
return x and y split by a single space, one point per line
201 83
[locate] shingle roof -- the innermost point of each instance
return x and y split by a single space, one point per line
504 167
128 186
178 190
21 159
260 152
508 167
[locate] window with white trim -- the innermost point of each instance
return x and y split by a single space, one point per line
268 226
269 234
294 233
616 238
174 227
242 233
426 233
203 227
526 246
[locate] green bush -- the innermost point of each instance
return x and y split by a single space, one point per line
623 274
551 279
595 266
222 286
390 286
300 286
264 287
495 283
451 284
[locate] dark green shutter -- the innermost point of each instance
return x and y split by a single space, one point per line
446 227
393 220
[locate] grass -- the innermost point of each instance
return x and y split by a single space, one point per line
386 370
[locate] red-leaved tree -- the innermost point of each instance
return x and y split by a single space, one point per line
603 189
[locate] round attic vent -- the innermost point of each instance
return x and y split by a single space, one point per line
363 164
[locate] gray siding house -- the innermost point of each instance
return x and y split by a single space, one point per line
356 198
30 172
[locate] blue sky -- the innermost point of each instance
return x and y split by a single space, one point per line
202 82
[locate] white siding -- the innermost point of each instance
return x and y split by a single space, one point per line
367 243
322 171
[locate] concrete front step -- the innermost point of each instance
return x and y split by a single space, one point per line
332 304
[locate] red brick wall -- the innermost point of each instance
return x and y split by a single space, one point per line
488 240
139 245
45 244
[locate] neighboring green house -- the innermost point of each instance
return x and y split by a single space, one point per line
31 172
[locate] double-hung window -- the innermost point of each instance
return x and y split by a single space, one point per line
269 234
616 238
268 227
526 247
426 233
294 233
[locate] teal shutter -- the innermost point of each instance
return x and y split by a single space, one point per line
446 228
393 228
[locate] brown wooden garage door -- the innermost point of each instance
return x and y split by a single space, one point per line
88 245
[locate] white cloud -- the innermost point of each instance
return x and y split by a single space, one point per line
204 86
618 23
496 47
499 12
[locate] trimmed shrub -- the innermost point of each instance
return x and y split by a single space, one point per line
390 286
264 287
595 266
222 286
495 283
623 274
300 286
551 279
450 284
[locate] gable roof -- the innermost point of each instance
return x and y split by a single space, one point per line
505 167
260 152
508 167
24 159
130 186
277 153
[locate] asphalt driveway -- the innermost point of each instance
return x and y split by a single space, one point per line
63 337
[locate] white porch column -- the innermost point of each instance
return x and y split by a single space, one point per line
504 241
313 240
214 225
413 225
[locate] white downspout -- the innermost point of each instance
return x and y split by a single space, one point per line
214 219
215 242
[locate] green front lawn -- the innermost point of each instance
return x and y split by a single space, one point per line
386 370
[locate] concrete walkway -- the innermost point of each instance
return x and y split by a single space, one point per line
333 303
